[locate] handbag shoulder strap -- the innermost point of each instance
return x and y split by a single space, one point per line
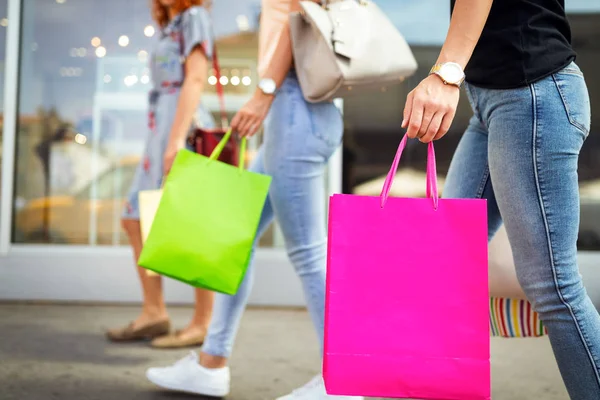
220 91
217 68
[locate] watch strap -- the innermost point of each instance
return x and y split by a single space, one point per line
435 70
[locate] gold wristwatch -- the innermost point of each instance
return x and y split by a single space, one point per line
450 73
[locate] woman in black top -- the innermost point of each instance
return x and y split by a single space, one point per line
520 152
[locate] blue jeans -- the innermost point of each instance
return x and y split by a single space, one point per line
299 140
520 152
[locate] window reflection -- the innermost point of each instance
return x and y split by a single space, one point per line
82 121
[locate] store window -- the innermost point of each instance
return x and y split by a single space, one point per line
82 117
83 111
373 122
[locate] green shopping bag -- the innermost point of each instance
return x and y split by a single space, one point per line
206 222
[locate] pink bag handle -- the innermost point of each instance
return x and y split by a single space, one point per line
432 190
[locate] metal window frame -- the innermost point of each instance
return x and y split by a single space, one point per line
9 133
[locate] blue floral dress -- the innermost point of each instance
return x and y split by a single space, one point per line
177 40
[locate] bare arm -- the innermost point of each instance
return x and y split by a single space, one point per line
466 25
196 70
275 65
280 60
431 107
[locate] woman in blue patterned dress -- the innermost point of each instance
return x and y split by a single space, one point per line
183 50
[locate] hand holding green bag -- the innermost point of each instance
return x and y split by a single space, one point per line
206 222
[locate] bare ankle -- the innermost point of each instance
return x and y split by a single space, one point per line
155 313
197 326
212 362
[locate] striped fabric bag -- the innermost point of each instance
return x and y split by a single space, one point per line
511 318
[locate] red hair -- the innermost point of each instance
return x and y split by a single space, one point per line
161 15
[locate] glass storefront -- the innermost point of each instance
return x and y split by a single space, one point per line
82 118
79 121
82 115
78 83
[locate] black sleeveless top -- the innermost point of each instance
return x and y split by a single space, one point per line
523 41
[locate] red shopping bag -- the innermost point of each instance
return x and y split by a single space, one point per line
407 303
204 141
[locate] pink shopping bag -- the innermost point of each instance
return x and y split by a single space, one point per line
407 304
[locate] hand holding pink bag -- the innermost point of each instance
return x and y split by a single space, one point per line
407 302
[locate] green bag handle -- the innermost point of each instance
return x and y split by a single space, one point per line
219 149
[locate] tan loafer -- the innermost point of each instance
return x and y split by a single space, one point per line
129 334
178 341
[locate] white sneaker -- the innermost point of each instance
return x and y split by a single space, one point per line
188 376
315 390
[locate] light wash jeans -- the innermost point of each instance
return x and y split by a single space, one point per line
299 140
520 152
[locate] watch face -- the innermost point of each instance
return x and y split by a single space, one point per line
268 86
452 73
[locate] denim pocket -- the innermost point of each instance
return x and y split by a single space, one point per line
573 91
327 124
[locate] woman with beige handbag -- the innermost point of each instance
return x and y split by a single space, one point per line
300 136
174 102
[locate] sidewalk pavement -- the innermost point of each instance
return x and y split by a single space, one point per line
58 352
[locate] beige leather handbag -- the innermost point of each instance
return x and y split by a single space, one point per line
346 47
